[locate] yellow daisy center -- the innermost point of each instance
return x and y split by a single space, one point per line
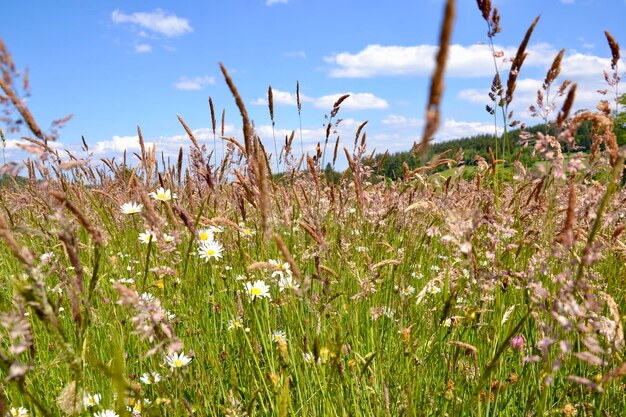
178 363
256 291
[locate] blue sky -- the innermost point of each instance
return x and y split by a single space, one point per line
115 65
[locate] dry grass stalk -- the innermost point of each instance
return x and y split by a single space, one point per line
437 82
614 49
313 171
270 103
22 110
555 69
567 106
287 255
247 128
23 254
485 8
518 61
189 132
96 235
235 142
261 170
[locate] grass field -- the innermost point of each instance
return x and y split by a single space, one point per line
212 288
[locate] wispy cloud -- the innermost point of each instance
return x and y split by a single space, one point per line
273 2
142 48
157 21
195 83
356 101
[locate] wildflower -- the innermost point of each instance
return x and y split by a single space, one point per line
246 231
434 289
281 269
258 289
131 208
216 229
517 343
177 360
147 237
162 194
287 282
168 238
447 322
46 257
279 337
309 358
136 407
206 235
235 324
91 400
150 378
106 413
210 250
407 291
21 411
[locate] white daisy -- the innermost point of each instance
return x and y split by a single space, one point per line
287 282
91 400
245 231
258 290
168 238
177 360
131 208
235 324
162 194
206 235
21 411
279 336
208 250
106 413
147 237
150 378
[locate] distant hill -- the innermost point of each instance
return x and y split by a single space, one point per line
391 165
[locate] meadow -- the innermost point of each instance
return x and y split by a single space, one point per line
255 285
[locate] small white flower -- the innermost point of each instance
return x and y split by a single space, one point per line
177 360
209 250
282 269
206 235
246 231
235 324
46 257
168 238
150 378
258 290
131 208
91 400
147 297
287 282
106 413
434 289
21 411
408 291
162 194
279 336
447 322
147 237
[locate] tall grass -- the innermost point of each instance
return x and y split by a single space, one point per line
226 290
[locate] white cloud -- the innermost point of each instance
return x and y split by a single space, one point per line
295 54
356 101
464 61
195 83
401 121
157 21
273 2
142 48
169 144
453 129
